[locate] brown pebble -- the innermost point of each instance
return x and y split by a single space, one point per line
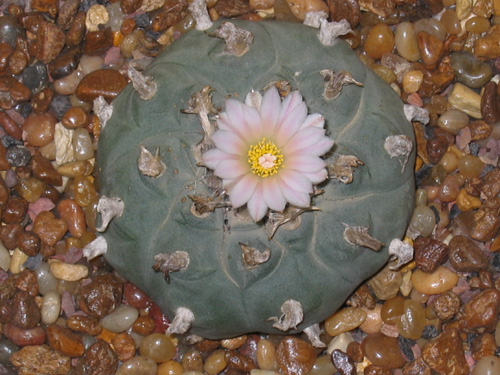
67 13
8 235
10 126
430 48
124 346
14 210
295 356
232 8
49 228
436 147
40 359
376 370
5 52
75 117
466 256
130 6
28 242
5 310
192 361
434 82
13 91
479 129
490 103
135 297
24 337
99 359
354 351
25 311
382 351
416 367
239 361
446 305
486 221
40 102
487 47
46 6
4 192
77 30
98 42
18 61
49 43
102 295
171 13
348 10
362 297
144 325
84 324
39 129
27 282
102 82
445 355
385 284
207 346
490 184
65 341
43 170
65 63
483 346
429 253
481 311
73 215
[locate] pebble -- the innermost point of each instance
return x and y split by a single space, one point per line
96 15
295 356
88 64
67 85
103 295
490 109
88 325
10 30
380 40
382 351
466 256
120 319
82 144
24 337
487 47
40 359
7 348
38 129
489 365
68 272
99 359
65 63
160 348
466 100
470 71
483 346
481 311
98 42
412 81
412 322
470 166
49 228
65 341
386 283
450 22
102 82
444 354
4 258
344 320
51 307
45 280
25 313
35 77
439 281
343 363
300 8
138 366
429 253
453 121
446 305
405 40
124 346
17 260
422 222
323 366
73 215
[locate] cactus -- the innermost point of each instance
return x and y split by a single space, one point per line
217 271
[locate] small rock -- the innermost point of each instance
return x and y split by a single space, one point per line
50 42
84 324
486 221
102 82
445 354
386 283
124 346
382 351
102 295
25 313
295 356
48 228
65 341
481 311
466 256
429 253
490 103
24 337
483 346
40 359
466 100
430 47
446 305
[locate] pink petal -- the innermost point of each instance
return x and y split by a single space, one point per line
256 206
213 157
291 100
295 180
235 117
273 197
305 138
315 120
254 125
231 169
269 111
317 177
291 123
242 189
294 197
229 142
305 163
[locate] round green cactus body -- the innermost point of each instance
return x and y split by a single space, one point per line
319 257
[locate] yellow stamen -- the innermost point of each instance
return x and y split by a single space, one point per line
265 158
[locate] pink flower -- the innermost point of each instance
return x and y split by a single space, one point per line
268 152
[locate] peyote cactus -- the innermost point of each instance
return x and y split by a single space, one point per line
229 256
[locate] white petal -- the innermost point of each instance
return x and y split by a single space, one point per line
291 100
269 111
296 180
213 157
305 163
315 120
291 123
231 168
242 190
294 197
304 138
317 177
254 125
235 117
229 142
257 208
273 196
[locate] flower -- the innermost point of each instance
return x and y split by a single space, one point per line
268 152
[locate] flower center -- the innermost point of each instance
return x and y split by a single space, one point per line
265 158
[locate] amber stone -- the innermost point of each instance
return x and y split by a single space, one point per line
382 351
380 40
102 82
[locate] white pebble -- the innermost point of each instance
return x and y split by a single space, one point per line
51 307
121 319
68 272
46 281
16 261
4 258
